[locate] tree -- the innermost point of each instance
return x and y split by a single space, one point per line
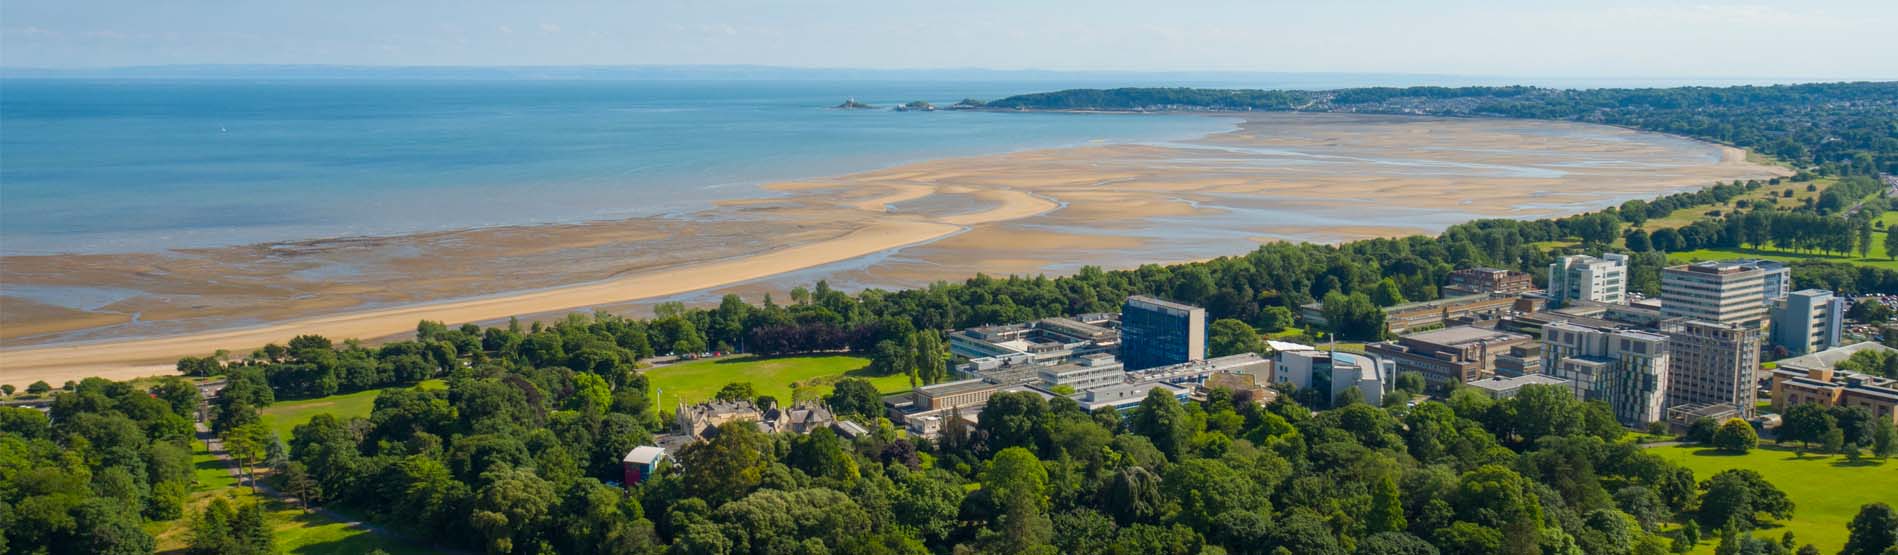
299 484
1688 537
1735 436
736 391
1702 429
1353 316
729 465
39 387
1017 485
1884 438
1638 241
1874 531
1387 293
1739 496
855 396
1891 245
510 508
1160 418
7 390
1387 509
1276 318
1231 337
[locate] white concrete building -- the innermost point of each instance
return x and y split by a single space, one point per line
1583 277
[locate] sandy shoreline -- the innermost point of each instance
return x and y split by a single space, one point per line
1276 177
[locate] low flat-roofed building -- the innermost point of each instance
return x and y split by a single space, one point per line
1406 317
1499 387
1245 386
1127 396
640 463
1084 373
1197 371
1680 417
1521 360
1447 356
1475 281
1814 378
1041 342
953 394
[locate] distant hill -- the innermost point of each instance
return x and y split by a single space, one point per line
1852 127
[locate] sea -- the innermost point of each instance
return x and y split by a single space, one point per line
147 165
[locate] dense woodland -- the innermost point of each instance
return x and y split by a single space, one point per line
518 453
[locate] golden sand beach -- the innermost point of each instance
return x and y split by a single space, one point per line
1275 177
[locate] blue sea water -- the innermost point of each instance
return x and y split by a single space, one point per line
140 165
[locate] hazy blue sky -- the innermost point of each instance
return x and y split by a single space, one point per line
1774 38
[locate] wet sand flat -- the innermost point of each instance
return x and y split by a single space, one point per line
1275 177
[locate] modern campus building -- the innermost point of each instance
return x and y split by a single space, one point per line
1583 277
1333 373
1448 356
641 463
1477 281
1626 368
1807 321
1126 396
1712 364
1724 292
1500 387
1408 317
1154 333
1084 373
1041 342
1814 378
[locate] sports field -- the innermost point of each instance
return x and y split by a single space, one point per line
784 378
1826 490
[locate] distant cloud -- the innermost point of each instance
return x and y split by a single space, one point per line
549 28
505 30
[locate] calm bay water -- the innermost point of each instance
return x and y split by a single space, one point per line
142 165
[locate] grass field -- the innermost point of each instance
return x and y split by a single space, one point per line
1690 214
295 532
284 416
779 377
1826 491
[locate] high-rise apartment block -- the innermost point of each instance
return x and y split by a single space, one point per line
1713 363
1724 292
1624 367
1807 321
1588 278
1154 333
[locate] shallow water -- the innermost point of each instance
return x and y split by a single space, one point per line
142 165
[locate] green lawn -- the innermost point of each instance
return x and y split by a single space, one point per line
284 416
1877 258
1826 491
778 377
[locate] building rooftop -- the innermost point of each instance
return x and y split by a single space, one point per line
1160 303
954 388
1730 266
1464 299
1831 357
645 454
1458 335
1282 346
1500 383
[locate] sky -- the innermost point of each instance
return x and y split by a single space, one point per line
1834 39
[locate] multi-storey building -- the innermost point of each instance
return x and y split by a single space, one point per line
1475 281
1448 356
1724 292
1813 378
1332 373
1154 332
1583 277
1807 321
1712 363
1085 373
1626 368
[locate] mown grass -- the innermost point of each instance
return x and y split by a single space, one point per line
783 378
284 416
1826 490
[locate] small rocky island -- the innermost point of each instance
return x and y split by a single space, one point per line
916 106
968 104
852 104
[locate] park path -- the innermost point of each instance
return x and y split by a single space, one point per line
216 447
